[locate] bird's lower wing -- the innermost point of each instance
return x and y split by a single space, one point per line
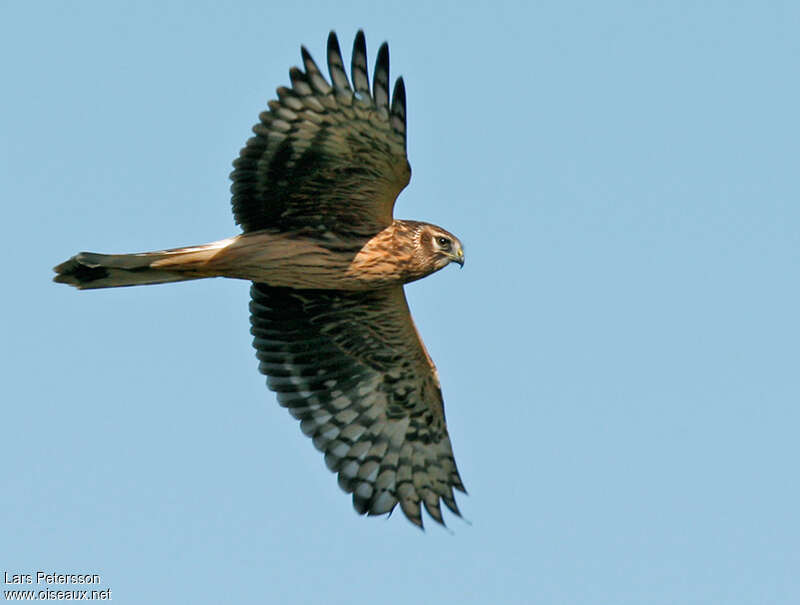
351 367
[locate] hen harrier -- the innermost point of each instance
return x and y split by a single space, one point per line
313 192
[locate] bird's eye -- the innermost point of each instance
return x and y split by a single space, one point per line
443 242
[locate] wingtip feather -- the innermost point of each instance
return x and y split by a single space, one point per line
380 86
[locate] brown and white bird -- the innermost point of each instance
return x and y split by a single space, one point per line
313 192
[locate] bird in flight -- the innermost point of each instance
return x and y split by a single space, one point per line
313 192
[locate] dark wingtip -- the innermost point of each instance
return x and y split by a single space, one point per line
333 43
361 39
399 98
399 92
383 58
307 58
332 39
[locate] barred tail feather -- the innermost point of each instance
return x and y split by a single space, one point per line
89 270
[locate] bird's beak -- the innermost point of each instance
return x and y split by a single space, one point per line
458 257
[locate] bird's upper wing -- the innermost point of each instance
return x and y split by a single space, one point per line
326 157
351 367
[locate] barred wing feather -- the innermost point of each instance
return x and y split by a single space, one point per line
351 367
326 157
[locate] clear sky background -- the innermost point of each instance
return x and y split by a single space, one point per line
619 356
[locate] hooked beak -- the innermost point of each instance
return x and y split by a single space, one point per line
458 257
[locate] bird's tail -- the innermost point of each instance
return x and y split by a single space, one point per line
88 270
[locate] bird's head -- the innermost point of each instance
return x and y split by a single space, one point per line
441 246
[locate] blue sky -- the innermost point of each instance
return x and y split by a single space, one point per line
619 356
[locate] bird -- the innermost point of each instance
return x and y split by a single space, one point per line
313 193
